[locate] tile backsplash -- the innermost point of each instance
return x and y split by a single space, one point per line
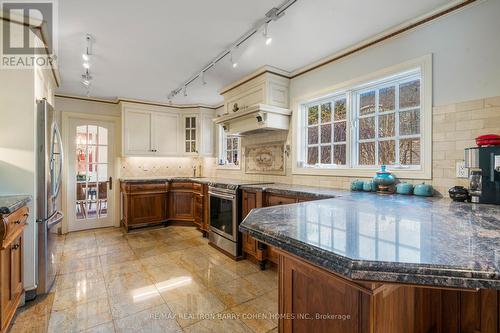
163 166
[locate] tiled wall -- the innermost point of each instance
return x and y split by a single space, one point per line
454 128
162 166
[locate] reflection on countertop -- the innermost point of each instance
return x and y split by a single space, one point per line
11 203
408 239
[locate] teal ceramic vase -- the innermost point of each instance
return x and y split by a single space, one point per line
384 181
404 188
423 190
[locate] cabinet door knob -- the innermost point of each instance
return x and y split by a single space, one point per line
15 247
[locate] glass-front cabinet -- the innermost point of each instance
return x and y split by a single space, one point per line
190 137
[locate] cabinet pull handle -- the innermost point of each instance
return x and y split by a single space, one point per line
15 247
17 222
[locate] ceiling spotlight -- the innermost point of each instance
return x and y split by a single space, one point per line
85 57
267 36
86 83
86 65
185 91
202 78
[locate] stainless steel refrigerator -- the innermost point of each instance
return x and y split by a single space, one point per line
49 176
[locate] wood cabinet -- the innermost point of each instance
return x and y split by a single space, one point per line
166 131
252 248
143 204
307 291
11 264
151 203
181 205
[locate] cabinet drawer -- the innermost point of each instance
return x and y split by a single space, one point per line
147 187
16 221
275 200
182 185
197 187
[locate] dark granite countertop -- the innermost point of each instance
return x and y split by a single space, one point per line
300 190
218 182
393 239
11 203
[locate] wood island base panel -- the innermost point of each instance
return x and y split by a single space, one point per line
315 300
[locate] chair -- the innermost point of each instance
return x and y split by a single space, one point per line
103 196
80 200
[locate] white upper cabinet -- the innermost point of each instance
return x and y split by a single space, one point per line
266 88
207 135
137 132
166 131
199 133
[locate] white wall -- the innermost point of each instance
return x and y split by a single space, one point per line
465 47
17 151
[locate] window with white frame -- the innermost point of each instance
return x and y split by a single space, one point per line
387 121
230 150
365 125
326 132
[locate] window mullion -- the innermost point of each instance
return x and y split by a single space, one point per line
396 125
376 125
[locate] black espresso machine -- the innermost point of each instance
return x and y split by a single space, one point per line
484 174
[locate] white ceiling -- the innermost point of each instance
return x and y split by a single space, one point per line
144 49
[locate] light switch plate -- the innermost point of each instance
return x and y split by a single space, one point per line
462 171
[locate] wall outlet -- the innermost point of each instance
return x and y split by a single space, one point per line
462 171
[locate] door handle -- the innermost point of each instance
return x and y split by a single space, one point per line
110 183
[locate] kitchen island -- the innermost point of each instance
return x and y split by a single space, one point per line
368 263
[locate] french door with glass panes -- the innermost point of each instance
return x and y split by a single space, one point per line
90 190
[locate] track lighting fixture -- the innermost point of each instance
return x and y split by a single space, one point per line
202 78
266 34
272 15
234 63
185 91
86 77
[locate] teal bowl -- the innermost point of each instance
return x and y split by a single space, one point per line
423 190
369 186
404 188
357 185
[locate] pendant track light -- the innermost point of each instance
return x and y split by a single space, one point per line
185 91
266 34
233 63
86 79
202 78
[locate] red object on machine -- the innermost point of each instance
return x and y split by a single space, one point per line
488 140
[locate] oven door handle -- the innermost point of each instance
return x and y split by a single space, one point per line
223 196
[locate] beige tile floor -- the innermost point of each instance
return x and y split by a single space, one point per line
161 280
